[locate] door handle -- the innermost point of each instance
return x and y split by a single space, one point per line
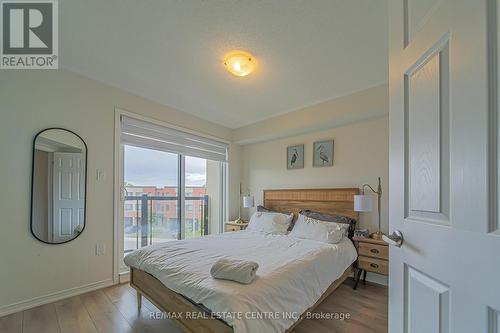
394 239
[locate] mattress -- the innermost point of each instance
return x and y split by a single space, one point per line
293 274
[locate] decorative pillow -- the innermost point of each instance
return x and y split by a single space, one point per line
267 210
273 223
309 228
346 223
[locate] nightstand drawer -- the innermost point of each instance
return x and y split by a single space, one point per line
373 250
373 265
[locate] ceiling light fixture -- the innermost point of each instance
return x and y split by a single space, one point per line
239 63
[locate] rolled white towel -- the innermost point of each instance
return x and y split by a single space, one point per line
241 271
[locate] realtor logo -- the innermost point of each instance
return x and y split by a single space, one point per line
29 34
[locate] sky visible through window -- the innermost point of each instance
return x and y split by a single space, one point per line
147 167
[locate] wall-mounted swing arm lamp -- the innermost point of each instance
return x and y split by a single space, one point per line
364 203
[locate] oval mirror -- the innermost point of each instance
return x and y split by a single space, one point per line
58 188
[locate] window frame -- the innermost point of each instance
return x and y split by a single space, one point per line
120 272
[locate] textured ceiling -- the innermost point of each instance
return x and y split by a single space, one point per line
171 51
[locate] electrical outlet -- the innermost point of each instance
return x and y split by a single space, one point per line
100 249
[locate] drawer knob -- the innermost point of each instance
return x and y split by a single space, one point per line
374 265
374 251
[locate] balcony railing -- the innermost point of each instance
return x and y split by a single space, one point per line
147 215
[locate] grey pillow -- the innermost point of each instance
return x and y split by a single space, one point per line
263 209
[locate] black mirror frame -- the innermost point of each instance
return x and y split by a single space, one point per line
33 176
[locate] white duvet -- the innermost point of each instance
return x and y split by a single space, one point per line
293 273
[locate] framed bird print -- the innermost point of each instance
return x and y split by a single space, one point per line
323 153
295 157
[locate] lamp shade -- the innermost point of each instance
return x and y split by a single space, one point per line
363 203
248 201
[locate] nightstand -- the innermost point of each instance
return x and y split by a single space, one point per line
373 256
233 226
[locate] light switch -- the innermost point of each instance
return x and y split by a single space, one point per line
100 249
100 175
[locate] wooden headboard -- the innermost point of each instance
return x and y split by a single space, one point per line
338 201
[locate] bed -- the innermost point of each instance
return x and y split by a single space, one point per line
294 275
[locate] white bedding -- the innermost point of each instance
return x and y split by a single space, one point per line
293 273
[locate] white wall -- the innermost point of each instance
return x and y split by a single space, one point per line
34 100
360 156
359 106
354 121
234 180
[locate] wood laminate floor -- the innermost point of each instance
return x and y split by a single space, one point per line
114 310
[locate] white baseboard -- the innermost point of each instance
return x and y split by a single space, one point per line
59 295
377 278
124 277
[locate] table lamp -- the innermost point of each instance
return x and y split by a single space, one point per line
248 202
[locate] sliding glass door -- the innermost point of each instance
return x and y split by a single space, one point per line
173 184
151 205
166 196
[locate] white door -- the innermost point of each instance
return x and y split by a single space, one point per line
68 196
443 166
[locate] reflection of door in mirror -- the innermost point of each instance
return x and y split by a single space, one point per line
67 203
59 176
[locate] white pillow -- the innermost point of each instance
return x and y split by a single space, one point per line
274 223
309 228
